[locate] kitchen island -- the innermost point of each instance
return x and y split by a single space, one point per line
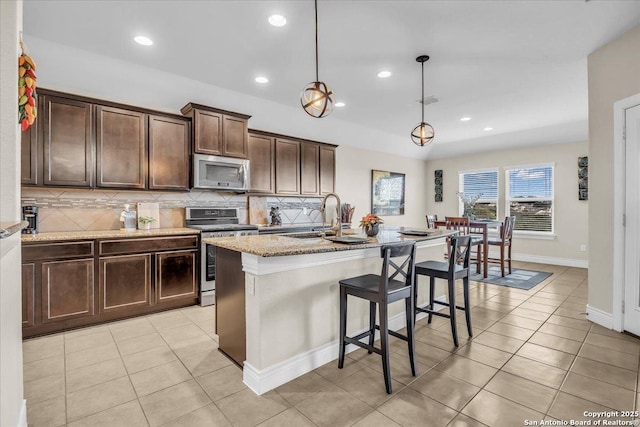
277 299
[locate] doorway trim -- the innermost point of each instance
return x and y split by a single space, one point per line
619 177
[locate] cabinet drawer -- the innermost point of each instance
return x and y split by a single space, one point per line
127 246
57 251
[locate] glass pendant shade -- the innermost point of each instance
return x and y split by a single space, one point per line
422 134
317 99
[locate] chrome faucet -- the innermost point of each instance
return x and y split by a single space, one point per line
323 209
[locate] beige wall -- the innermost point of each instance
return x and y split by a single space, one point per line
614 74
353 177
570 220
11 401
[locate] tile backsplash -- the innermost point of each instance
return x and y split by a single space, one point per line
296 210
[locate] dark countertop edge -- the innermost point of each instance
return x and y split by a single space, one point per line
12 229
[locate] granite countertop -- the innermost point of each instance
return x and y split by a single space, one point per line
272 245
8 228
104 234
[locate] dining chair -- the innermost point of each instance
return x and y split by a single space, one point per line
431 221
463 225
504 242
381 290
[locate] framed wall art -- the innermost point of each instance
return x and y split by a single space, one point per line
387 193
583 178
438 185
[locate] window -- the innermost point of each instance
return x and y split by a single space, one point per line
530 197
485 184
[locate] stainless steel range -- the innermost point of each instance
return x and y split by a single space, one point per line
214 222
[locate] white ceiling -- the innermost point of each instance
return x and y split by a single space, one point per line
517 66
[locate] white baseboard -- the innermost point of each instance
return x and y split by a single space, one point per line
600 317
22 420
567 262
276 375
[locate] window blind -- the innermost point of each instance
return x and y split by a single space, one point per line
486 184
530 198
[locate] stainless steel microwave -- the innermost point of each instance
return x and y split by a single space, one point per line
220 173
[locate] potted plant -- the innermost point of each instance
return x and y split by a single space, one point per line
370 224
144 222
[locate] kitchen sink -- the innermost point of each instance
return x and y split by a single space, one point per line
309 235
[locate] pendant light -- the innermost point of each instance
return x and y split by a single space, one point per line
423 133
317 97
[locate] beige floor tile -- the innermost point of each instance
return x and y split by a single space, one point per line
522 322
527 393
375 419
461 420
368 385
141 343
44 388
442 340
555 342
222 383
544 301
535 371
445 389
333 406
98 373
168 320
616 344
173 402
564 332
411 408
573 314
87 330
192 346
91 400
128 414
91 356
511 331
597 329
552 357
605 372
500 342
180 334
551 296
496 306
245 408
47 413
609 395
569 407
207 416
128 329
468 370
199 314
530 314
612 357
208 328
497 411
577 300
400 368
427 355
84 342
203 363
159 377
42 348
583 325
484 354
43 368
543 308
148 359
304 386
331 372
289 418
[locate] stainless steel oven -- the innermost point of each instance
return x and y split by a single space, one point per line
214 222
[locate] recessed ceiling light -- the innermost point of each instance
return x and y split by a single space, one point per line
277 20
340 104
488 128
384 74
465 119
262 79
144 41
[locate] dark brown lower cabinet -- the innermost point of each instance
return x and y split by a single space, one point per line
67 290
28 298
125 282
176 275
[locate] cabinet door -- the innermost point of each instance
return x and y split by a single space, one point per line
28 295
168 153
67 142
234 136
327 170
67 290
121 148
261 164
176 275
125 282
287 166
208 132
29 156
309 168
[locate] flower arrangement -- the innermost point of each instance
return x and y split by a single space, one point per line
146 219
469 201
370 220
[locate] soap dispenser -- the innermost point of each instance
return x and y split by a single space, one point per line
128 217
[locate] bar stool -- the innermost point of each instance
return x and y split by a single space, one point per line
382 290
450 271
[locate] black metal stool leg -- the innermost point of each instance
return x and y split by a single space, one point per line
452 310
432 290
384 346
343 325
467 309
411 316
372 323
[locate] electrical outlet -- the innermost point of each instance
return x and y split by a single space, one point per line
583 248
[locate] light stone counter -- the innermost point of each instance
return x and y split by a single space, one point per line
104 234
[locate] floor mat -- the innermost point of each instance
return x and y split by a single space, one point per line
521 279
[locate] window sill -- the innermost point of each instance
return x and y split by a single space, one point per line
534 235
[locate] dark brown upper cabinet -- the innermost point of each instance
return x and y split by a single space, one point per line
67 142
327 169
169 140
121 148
309 169
29 158
261 150
218 132
287 166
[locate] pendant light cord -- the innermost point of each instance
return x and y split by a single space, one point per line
422 100
316 8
